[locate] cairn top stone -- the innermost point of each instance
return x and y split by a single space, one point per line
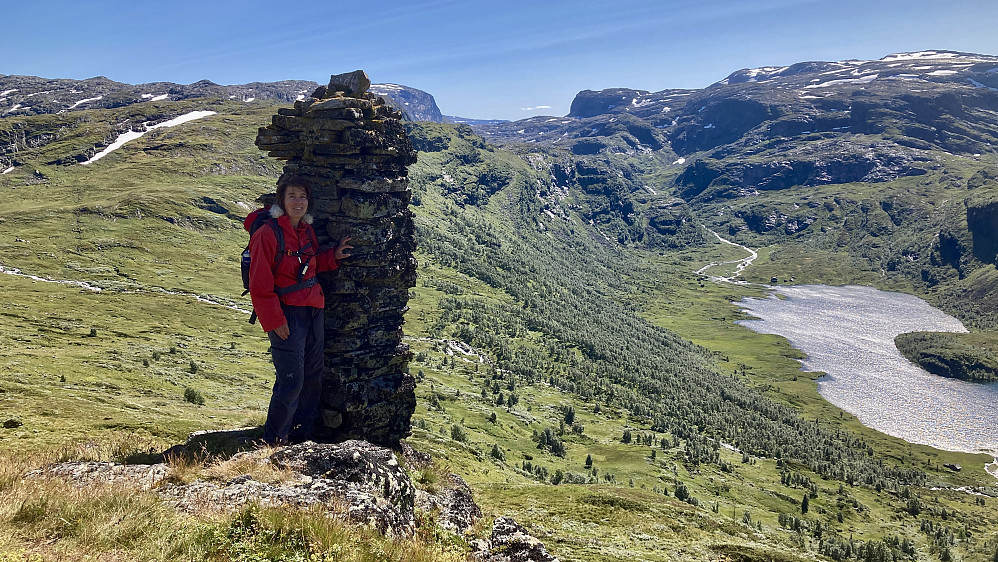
352 83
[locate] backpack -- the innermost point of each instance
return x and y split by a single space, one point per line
244 264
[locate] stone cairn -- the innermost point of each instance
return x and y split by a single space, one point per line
353 149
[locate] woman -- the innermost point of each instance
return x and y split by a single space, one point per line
290 304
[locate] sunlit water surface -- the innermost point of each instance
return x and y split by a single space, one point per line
848 332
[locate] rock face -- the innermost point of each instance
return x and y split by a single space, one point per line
455 504
354 151
982 222
511 543
415 105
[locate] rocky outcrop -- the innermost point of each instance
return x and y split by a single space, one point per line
588 103
719 121
820 163
354 479
511 542
982 222
455 505
353 149
415 105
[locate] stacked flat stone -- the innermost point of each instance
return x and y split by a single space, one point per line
353 149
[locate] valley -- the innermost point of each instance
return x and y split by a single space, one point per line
574 364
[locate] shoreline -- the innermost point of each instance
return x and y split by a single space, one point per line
816 361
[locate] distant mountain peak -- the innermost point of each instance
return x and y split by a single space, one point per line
936 55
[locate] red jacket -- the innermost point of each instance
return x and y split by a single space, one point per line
264 278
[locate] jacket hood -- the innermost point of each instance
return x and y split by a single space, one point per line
274 211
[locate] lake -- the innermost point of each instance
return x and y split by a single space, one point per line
848 333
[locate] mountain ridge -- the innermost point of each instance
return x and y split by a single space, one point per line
33 95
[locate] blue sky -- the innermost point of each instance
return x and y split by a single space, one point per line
483 59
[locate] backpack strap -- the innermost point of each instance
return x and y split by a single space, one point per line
296 287
279 234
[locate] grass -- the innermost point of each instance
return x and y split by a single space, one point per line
99 386
46 519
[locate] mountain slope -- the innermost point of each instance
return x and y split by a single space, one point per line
889 161
540 269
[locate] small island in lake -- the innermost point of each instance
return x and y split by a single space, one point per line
969 357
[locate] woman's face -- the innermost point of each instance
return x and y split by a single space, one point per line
295 203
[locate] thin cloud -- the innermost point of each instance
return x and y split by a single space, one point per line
536 108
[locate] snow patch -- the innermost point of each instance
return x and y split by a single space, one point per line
5 92
861 80
7 171
708 126
17 272
680 161
979 85
132 135
207 299
766 70
942 73
247 100
85 101
920 55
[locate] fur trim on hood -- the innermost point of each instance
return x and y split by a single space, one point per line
276 211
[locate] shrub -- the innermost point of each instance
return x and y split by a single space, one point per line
193 396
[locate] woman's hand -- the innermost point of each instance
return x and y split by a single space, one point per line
282 332
341 249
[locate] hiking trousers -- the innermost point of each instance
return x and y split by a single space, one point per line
298 364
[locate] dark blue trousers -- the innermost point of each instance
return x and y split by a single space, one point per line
298 364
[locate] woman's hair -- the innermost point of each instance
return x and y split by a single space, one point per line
293 180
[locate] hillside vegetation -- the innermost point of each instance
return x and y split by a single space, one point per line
970 357
553 323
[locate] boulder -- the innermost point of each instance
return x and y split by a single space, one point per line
353 83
